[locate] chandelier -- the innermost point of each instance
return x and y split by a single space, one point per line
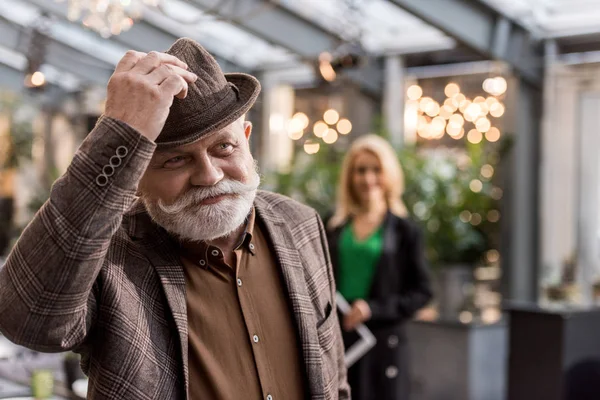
107 17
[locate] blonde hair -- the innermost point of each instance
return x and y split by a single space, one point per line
393 179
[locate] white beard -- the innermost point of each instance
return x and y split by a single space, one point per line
187 219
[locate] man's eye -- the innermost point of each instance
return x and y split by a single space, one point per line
225 148
175 161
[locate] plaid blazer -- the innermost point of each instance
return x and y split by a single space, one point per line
92 273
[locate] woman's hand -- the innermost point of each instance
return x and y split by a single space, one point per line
360 312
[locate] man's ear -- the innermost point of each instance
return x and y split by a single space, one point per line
247 129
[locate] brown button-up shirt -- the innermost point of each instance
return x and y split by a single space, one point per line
242 337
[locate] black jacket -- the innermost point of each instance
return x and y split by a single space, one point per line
401 286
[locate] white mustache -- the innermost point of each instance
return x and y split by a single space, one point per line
196 196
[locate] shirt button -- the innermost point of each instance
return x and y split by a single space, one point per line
251 246
269 397
239 282
255 338
202 263
392 341
215 253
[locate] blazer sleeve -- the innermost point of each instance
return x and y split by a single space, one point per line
343 386
47 286
417 289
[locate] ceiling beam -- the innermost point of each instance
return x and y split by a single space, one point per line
276 25
282 27
11 78
143 36
146 37
59 55
484 30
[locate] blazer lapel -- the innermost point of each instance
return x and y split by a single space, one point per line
302 307
162 254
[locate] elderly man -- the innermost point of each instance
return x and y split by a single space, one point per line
201 288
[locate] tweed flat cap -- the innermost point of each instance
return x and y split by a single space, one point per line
214 101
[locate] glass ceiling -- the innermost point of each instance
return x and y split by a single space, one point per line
223 38
553 18
379 25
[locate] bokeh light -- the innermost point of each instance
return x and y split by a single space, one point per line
331 116
414 92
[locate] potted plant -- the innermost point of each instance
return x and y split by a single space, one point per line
16 142
311 179
450 193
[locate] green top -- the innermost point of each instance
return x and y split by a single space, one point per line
358 260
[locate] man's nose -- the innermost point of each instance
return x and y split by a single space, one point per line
206 173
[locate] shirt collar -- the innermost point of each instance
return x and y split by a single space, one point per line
246 239
204 250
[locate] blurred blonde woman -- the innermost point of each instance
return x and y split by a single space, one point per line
379 266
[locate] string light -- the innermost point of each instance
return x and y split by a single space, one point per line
344 126
474 136
325 67
424 103
294 125
320 128
493 135
446 111
311 146
452 103
485 109
36 79
493 256
493 216
302 119
496 193
424 130
432 109
331 136
438 124
497 110
331 116
491 100
465 216
453 130
483 125
296 135
459 98
458 135
466 317
457 120
433 119
476 185
108 17
495 86
472 112
464 105
414 92
487 171
452 89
